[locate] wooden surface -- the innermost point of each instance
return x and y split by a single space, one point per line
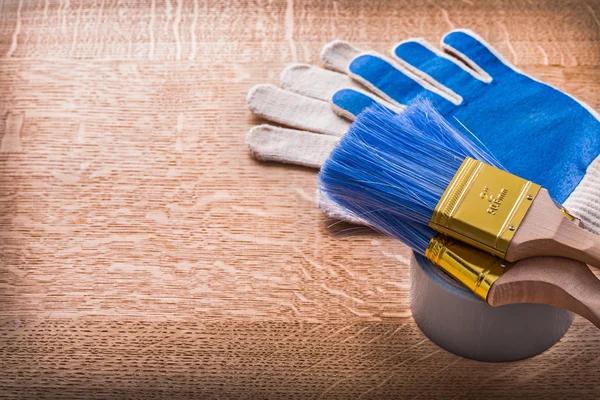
146 255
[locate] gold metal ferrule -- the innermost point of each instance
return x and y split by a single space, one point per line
483 206
476 269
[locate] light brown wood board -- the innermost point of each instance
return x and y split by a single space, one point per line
145 254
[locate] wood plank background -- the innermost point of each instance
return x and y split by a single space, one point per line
145 254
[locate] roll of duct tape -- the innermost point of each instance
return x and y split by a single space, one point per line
458 321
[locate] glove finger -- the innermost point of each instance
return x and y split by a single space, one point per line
315 82
338 54
296 111
350 102
435 66
394 85
348 97
391 82
272 143
476 53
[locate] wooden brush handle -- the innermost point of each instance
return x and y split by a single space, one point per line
545 231
556 281
577 243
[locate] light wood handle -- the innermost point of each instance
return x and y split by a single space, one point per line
579 244
556 281
545 231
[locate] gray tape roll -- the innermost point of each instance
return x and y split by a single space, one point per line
458 321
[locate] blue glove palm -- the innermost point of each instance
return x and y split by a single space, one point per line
535 130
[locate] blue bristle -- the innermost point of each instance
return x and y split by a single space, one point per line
390 170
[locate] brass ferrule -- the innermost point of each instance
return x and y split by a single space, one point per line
483 206
476 269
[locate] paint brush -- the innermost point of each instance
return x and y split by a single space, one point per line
367 165
416 166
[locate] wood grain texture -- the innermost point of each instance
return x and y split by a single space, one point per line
145 254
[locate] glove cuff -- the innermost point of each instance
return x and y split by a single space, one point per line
584 202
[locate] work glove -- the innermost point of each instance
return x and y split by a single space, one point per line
535 130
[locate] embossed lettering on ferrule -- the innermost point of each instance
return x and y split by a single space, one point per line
495 201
